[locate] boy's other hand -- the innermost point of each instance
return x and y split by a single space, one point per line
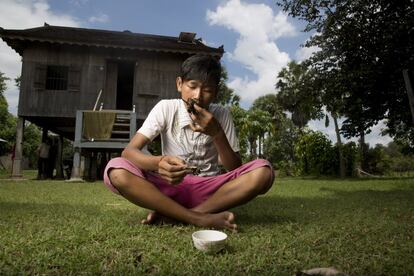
204 122
172 169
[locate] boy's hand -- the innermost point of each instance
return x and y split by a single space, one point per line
204 122
172 169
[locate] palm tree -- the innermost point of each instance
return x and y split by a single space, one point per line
255 125
298 94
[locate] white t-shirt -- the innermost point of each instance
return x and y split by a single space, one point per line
170 119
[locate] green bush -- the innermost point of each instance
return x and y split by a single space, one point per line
402 164
286 168
315 154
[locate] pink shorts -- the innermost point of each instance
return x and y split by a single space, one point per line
193 190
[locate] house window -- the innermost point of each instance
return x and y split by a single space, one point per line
57 77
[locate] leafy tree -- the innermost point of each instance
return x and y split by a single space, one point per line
17 81
238 115
404 138
298 94
252 125
7 121
331 96
31 140
350 158
3 102
279 148
303 91
250 133
369 43
262 123
270 104
378 161
400 161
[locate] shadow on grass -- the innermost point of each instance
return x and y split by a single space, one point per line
264 210
350 179
54 209
275 209
58 216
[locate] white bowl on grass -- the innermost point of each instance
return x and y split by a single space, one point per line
209 241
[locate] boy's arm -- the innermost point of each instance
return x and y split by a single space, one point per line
230 159
170 168
133 153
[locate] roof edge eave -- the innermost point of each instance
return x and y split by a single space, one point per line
208 50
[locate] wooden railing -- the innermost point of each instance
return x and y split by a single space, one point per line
122 131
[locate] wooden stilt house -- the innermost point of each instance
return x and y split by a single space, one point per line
69 72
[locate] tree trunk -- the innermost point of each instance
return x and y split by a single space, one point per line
342 168
362 151
252 148
260 146
410 93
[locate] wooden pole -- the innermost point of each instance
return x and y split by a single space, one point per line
18 150
58 163
76 169
410 93
97 100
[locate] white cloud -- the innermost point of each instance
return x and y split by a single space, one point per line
101 18
79 3
209 43
21 15
256 49
375 136
305 52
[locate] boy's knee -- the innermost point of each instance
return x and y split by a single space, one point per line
269 178
266 179
119 178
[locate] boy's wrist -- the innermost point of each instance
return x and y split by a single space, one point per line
219 135
161 157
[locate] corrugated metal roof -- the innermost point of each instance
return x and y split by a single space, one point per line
17 39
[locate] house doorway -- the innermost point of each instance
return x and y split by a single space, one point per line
125 85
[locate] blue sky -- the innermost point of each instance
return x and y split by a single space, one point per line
258 38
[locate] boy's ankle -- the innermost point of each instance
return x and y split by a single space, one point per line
197 218
200 211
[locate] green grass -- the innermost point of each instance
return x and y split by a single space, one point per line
363 227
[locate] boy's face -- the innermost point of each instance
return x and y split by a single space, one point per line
202 93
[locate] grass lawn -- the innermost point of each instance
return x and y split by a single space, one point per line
361 227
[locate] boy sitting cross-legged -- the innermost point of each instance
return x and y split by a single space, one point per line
185 183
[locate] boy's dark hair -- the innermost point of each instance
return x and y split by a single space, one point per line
201 67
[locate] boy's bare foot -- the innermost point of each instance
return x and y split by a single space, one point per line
223 220
150 219
156 218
